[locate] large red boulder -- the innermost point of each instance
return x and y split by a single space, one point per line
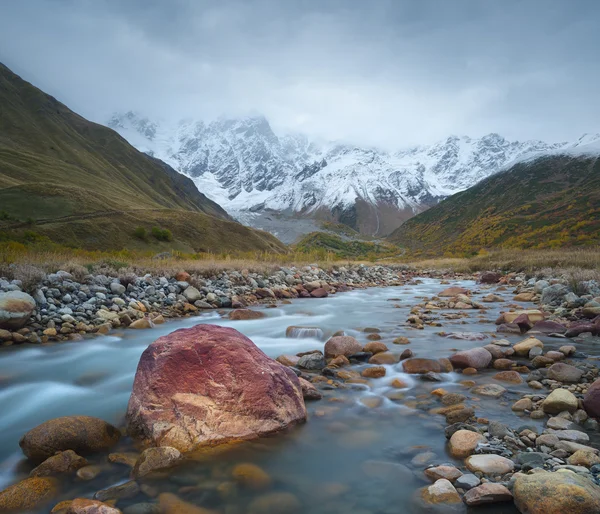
210 385
477 358
591 400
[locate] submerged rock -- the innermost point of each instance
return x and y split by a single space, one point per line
29 494
82 434
210 385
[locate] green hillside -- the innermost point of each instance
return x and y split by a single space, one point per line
74 178
551 202
332 244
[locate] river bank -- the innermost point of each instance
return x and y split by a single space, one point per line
408 410
66 306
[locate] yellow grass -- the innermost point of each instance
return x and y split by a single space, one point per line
529 261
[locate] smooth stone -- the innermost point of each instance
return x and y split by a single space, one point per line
489 464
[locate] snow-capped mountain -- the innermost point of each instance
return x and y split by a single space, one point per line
246 168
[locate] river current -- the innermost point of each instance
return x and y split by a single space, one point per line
344 459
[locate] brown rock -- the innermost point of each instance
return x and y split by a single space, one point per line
453 291
342 345
591 400
503 364
375 347
564 373
441 492
556 493
275 503
182 276
309 391
448 472
85 506
490 277
487 493
384 358
154 459
463 443
526 345
339 362
477 358
171 504
251 477
210 385
62 463
420 366
245 314
459 415
522 405
584 458
29 494
401 340
82 434
511 377
374 372
16 308
288 360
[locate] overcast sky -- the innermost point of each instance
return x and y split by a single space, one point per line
381 72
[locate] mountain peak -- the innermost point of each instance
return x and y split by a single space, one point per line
243 165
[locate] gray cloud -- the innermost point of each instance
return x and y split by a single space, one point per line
382 72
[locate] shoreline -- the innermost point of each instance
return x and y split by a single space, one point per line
64 307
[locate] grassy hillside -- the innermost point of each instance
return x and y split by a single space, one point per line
327 243
83 185
551 202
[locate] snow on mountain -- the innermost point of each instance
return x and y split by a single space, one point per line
246 168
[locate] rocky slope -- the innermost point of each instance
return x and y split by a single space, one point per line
243 165
83 185
549 202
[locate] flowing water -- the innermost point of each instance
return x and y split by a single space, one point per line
345 459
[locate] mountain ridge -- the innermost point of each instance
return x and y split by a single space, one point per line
245 166
548 202
55 164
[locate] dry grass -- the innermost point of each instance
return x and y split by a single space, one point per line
534 262
126 263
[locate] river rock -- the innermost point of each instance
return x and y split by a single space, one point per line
511 377
564 373
490 277
288 360
312 362
192 294
549 327
559 400
591 400
556 493
309 391
82 434
441 492
16 307
522 349
153 459
245 314
450 473
467 481
275 503
210 385
419 366
342 345
453 291
86 506
554 294
584 458
477 358
487 493
384 358
463 443
492 390
251 476
62 463
375 347
489 464
171 504
29 494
